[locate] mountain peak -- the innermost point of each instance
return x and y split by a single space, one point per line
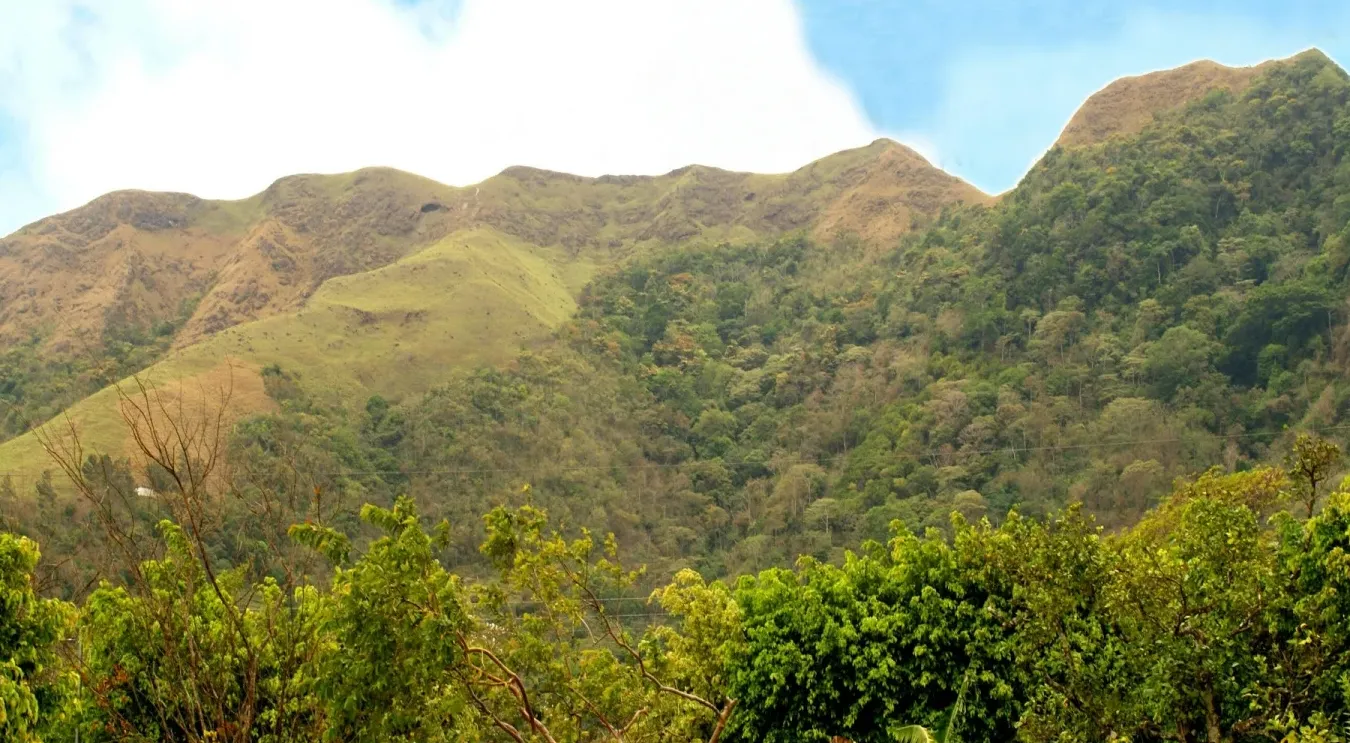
1128 104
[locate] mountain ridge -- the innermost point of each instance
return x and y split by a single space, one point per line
345 277
1127 104
377 281
253 257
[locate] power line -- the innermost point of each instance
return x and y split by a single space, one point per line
644 614
605 600
629 616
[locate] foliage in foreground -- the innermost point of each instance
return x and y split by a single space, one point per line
1224 615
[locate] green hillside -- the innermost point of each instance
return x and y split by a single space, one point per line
1133 312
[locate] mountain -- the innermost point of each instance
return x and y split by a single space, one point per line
376 281
1130 313
133 258
690 362
1105 412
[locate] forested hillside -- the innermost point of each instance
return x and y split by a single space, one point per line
1058 467
1133 312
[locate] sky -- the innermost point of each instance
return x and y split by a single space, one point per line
220 97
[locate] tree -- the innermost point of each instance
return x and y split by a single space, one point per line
1312 623
588 676
180 644
863 649
181 654
1289 314
31 683
1069 645
1179 359
1196 578
397 626
824 511
537 653
1310 463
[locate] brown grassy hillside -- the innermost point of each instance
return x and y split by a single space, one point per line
128 257
133 258
1127 105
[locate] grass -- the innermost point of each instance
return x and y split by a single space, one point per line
197 382
1129 104
473 298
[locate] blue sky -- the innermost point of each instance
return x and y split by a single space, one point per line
991 83
219 97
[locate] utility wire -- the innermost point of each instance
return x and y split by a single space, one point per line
606 600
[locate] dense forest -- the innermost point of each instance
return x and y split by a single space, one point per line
1059 468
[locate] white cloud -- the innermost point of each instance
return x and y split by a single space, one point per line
1002 105
219 98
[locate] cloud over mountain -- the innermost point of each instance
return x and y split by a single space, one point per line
219 98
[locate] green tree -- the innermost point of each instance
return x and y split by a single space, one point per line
571 647
888 639
396 627
191 653
1195 578
1180 358
1312 623
1310 463
32 688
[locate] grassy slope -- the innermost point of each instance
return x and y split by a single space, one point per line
472 298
